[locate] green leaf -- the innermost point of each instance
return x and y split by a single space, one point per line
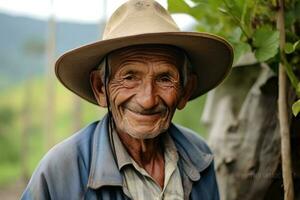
266 42
296 45
296 108
178 6
288 48
298 89
198 11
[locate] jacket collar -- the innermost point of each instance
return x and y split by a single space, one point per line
104 169
193 159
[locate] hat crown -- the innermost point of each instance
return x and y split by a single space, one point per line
139 17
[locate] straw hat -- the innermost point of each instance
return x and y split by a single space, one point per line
139 22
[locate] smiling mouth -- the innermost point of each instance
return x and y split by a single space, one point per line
146 114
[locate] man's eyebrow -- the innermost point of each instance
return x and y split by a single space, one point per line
129 62
131 70
166 73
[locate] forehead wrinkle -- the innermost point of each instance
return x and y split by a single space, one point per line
146 59
171 53
162 65
145 48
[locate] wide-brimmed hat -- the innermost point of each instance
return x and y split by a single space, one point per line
138 22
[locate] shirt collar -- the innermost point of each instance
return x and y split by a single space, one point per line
123 157
105 171
193 159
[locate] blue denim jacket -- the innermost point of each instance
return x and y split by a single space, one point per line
83 167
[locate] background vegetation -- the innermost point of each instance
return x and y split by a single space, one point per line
269 31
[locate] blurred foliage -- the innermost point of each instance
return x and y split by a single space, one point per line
7 115
12 124
250 26
34 46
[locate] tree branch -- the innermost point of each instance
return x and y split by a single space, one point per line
283 112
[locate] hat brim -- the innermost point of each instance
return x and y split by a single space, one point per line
211 58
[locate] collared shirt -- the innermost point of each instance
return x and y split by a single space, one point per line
83 168
138 184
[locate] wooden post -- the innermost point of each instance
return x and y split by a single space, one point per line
283 113
50 83
26 125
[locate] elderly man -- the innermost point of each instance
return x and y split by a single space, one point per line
142 70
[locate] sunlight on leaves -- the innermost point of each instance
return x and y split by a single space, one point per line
290 48
296 108
179 6
266 43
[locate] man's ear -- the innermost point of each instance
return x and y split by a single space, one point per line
187 91
98 87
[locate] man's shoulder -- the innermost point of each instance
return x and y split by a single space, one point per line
194 138
65 167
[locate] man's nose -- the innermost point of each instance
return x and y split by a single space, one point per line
147 97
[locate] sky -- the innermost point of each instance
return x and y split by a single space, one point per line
84 11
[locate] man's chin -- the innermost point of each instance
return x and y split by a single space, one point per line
145 134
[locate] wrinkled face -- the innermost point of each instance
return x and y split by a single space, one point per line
144 89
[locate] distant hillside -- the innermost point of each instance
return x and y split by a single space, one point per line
23 40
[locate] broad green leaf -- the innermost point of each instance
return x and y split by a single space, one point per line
234 7
199 11
296 108
178 6
289 48
266 42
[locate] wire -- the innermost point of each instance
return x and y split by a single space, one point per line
110 118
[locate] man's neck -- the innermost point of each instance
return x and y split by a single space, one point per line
147 153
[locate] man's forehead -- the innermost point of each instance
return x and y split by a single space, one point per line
152 52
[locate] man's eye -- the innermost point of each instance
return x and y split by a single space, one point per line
164 79
129 77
